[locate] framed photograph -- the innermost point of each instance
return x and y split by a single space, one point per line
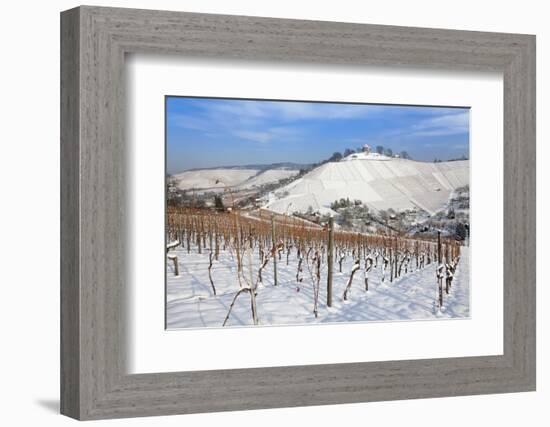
262 213
252 231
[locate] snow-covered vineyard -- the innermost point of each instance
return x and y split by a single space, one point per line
381 184
214 261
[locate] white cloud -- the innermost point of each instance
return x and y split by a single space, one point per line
449 124
257 121
265 136
459 146
271 121
288 111
188 122
443 144
256 136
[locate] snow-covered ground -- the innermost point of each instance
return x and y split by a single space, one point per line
213 178
380 184
191 304
268 177
222 178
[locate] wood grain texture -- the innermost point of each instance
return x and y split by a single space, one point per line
94 381
70 259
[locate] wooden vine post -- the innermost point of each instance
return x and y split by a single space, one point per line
274 249
439 247
330 262
439 269
174 259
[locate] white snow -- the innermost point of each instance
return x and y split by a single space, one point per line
268 177
172 244
213 178
392 183
191 303
365 156
218 179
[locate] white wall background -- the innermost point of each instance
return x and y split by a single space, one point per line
29 191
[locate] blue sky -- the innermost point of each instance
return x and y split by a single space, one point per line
208 132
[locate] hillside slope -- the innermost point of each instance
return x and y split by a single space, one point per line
380 184
213 178
219 179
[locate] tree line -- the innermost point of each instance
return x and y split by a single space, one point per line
380 149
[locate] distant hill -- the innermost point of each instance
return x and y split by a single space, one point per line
259 167
237 177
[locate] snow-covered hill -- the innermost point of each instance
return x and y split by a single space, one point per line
268 177
240 178
380 184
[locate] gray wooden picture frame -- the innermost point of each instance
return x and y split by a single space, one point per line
94 41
